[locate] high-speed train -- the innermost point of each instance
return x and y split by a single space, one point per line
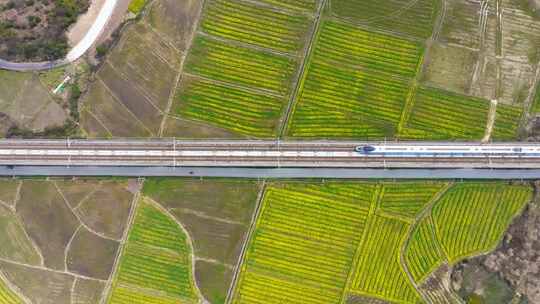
448 150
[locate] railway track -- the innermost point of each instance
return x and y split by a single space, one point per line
265 154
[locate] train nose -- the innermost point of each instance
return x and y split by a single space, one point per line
365 149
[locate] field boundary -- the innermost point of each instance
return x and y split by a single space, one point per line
298 83
424 213
375 200
237 271
107 290
180 74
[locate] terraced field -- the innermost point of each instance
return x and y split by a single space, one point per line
240 110
156 265
423 254
507 120
307 5
406 200
256 25
442 115
322 242
7 296
471 218
379 272
304 242
414 18
356 84
225 62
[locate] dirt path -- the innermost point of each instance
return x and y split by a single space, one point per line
490 121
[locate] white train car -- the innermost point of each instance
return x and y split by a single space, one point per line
448 150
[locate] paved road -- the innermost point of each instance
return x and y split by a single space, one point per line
337 173
268 154
76 52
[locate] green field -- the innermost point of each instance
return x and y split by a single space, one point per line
256 25
441 115
225 62
239 110
6 295
391 15
536 101
155 266
135 6
356 84
507 119
326 242
307 5
379 272
406 200
471 218
304 243
423 253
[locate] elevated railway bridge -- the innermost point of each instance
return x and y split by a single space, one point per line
269 154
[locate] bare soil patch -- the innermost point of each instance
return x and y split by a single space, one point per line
39 286
47 219
107 209
15 244
91 255
87 291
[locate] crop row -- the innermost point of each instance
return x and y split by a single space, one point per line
356 84
124 295
6 295
407 199
423 253
471 218
344 44
391 15
536 102
256 25
303 245
438 114
507 119
239 65
306 5
378 270
239 110
156 257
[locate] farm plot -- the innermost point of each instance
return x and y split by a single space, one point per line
130 96
471 218
256 25
6 295
239 110
305 5
450 67
460 25
406 200
356 84
423 253
156 261
222 61
414 18
507 121
536 101
521 33
217 224
378 271
27 103
304 243
438 115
